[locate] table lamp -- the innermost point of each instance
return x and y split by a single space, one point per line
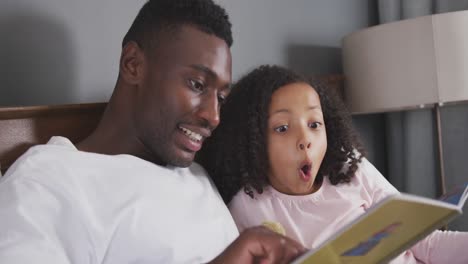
414 63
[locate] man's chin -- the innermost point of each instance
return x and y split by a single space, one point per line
182 164
182 159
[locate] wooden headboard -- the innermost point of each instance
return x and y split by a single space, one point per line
23 127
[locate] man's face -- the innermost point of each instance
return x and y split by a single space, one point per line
186 78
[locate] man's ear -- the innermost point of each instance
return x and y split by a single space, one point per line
132 63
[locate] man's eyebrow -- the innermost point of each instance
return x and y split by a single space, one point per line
211 73
227 87
204 69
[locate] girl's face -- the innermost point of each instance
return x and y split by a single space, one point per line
296 138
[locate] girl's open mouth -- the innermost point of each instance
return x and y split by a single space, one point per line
305 171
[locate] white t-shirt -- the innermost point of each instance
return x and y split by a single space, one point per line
312 219
61 205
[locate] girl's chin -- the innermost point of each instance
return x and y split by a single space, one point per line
304 191
299 191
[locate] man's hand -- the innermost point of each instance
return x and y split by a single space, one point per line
260 245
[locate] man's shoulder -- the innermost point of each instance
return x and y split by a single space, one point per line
57 164
38 172
40 157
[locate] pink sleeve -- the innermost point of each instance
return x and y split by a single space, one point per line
443 247
374 182
239 208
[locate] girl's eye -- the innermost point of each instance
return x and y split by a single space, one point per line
281 129
196 85
315 125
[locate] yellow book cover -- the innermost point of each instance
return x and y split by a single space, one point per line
387 229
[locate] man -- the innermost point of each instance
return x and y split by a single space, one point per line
129 193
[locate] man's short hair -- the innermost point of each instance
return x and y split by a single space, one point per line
157 16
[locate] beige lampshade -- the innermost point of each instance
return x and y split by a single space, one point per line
407 64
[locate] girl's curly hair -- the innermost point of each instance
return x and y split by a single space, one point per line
235 156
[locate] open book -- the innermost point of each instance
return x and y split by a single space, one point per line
388 228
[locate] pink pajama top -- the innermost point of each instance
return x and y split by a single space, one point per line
312 219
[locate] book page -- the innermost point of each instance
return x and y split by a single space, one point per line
456 196
383 233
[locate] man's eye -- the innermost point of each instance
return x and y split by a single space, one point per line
221 99
196 85
315 125
281 129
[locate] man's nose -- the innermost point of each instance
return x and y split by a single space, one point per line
209 111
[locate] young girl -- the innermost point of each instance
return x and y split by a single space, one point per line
285 151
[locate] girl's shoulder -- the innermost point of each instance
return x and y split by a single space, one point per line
242 199
247 211
372 181
368 174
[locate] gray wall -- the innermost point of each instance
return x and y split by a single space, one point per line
56 51
302 34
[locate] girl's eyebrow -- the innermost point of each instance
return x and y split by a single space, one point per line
280 111
283 110
315 107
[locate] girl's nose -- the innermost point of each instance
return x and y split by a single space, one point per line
304 145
